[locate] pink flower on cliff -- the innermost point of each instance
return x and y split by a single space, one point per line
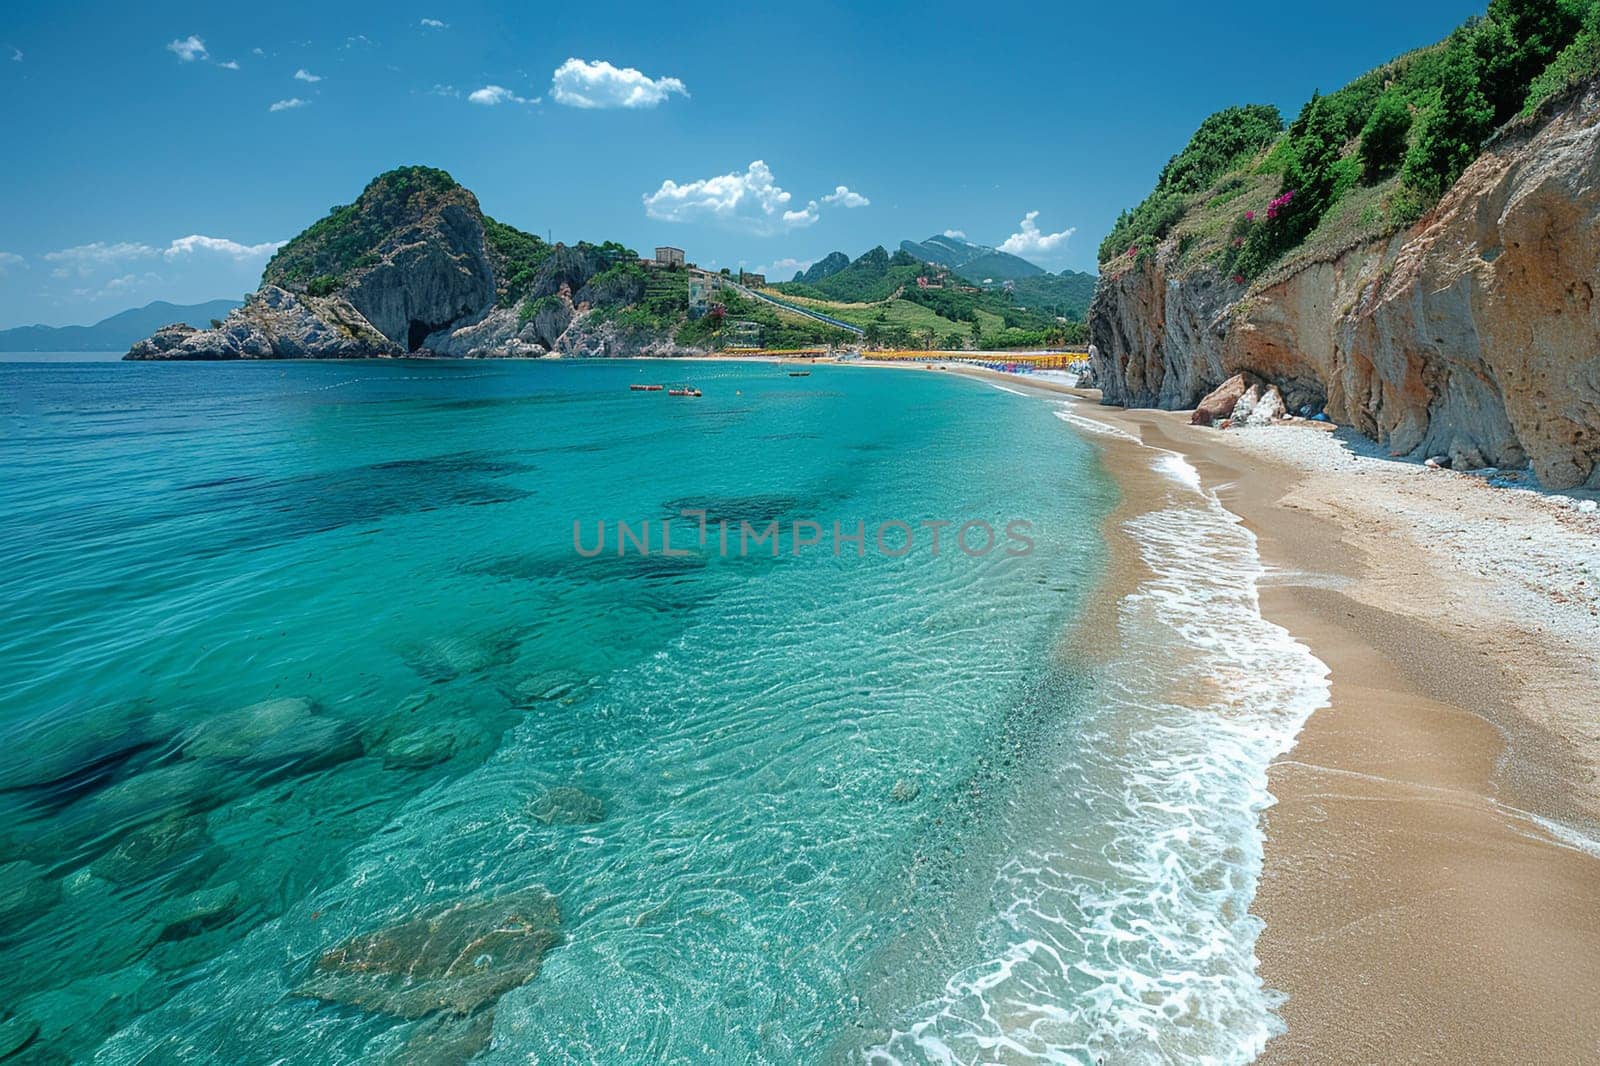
1249 216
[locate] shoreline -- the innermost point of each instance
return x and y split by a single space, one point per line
1431 878
1431 881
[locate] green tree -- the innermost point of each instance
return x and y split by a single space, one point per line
1313 173
1576 62
976 331
1383 139
1454 127
1220 143
1516 42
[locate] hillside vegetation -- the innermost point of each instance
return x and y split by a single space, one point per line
1250 197
879 292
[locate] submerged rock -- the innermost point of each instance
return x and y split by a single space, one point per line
16 1032
431 745
273 735
459 959
568 806
905 790
448 1039
444 659
59 757
26 892
199 912
153 794
176 845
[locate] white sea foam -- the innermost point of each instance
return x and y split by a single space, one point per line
1567 835
1093 425
1129 937
1179 469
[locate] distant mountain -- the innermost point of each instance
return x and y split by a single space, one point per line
114 334
977 263
826 267
1067 293
875 276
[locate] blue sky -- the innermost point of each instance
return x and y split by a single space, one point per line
159 151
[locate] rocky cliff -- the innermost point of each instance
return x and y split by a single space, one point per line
1473 333
413 266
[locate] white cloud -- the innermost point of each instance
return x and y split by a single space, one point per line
959 235
257 52
1029 241
845 198
289 104
16 55
444 90
493 95
435 24
232 64
781 268
128 283
189 49
196 242
305 75
9 260
751 201
804 217
598 84
85 259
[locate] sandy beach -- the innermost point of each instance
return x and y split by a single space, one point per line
1431 887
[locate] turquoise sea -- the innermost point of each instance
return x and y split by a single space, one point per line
321 741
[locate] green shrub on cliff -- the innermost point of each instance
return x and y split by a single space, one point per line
1223 141
345 239
1454 126
1385 137
519 256
1576 62
1517 40
1427 114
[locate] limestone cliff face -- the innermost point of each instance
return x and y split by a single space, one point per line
1475 333
429 273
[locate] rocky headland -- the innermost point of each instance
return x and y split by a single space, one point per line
414 267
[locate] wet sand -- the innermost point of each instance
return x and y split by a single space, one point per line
1416 908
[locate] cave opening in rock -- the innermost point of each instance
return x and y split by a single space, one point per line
418 333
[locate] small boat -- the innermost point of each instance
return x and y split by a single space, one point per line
683 390
799 373
644 388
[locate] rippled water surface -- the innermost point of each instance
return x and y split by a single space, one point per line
319 741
